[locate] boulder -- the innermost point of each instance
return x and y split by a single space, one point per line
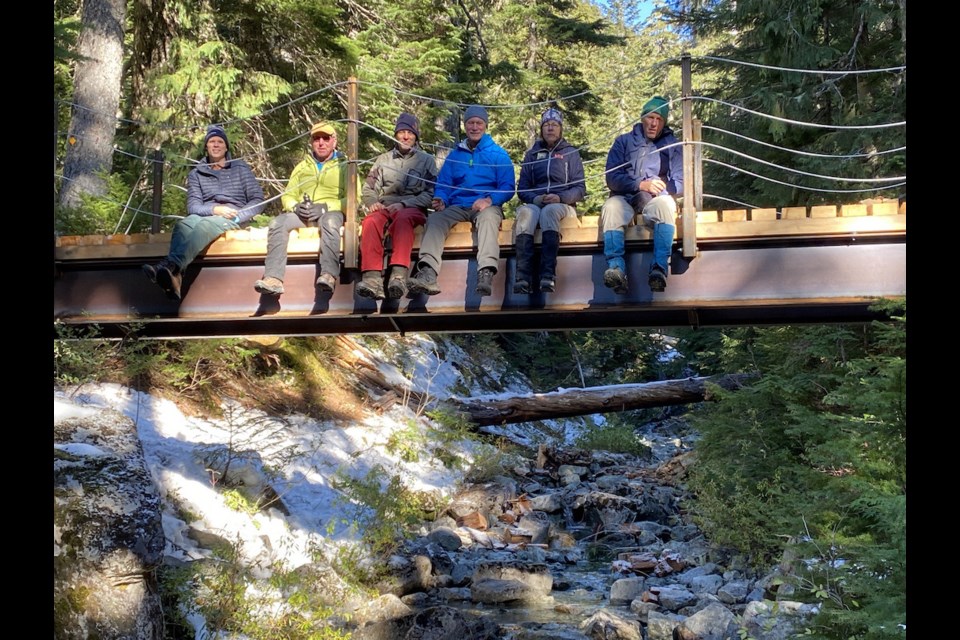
108 538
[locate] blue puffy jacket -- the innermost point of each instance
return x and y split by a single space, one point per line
633 158
486 171
558 171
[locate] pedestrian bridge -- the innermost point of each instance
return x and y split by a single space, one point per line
784 265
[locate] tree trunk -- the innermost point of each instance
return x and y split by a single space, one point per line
581 402
96 96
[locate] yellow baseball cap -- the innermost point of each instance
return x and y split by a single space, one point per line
323 127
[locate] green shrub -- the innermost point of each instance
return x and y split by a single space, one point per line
617 435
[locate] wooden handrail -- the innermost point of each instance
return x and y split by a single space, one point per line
732 224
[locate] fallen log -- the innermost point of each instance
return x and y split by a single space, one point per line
566 403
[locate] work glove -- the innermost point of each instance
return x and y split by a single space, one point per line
304 210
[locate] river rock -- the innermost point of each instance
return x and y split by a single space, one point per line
435 623
446 538
660 625
536 576
492 591
714 622
765 622
734 592
626 590
606 625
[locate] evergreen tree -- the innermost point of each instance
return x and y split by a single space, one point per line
812 458
841 38
96 96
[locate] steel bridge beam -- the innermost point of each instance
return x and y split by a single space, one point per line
729 286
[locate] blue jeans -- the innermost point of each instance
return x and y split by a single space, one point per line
193 234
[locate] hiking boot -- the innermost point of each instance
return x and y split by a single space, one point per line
326 282
548 285
425 282
150 270
658 278
169 279
485 281
397 284
370 286
521 286
614 278
270 286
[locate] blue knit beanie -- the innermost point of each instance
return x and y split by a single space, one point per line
476 111
658 105
216 130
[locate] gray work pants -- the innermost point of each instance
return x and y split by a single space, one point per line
617 212
486 222
279 234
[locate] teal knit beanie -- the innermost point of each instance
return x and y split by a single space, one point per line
658 105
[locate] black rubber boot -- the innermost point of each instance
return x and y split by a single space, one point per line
524 246
549 246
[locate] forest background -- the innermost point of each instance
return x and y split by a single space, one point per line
152 74
811 458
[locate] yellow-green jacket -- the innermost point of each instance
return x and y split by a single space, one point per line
326 183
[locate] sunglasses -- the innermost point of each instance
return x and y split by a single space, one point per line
322 136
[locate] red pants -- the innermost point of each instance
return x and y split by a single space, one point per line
402 223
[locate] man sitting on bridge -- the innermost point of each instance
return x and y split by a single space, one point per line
222 194
551 183
315 196
397 192
475 181
642 179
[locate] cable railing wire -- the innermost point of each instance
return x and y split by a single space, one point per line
745 204
801 123
792 70
811 154
798 171
797 186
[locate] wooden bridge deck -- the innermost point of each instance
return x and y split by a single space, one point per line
759 266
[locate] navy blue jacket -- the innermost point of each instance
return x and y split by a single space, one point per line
633 158
558 171
234 185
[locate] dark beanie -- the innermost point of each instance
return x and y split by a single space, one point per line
408 121
216 130
476 111
658 105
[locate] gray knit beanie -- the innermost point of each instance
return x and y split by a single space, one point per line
476 111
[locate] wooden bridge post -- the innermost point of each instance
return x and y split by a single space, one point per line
689 172
350 252
157 190
698 166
